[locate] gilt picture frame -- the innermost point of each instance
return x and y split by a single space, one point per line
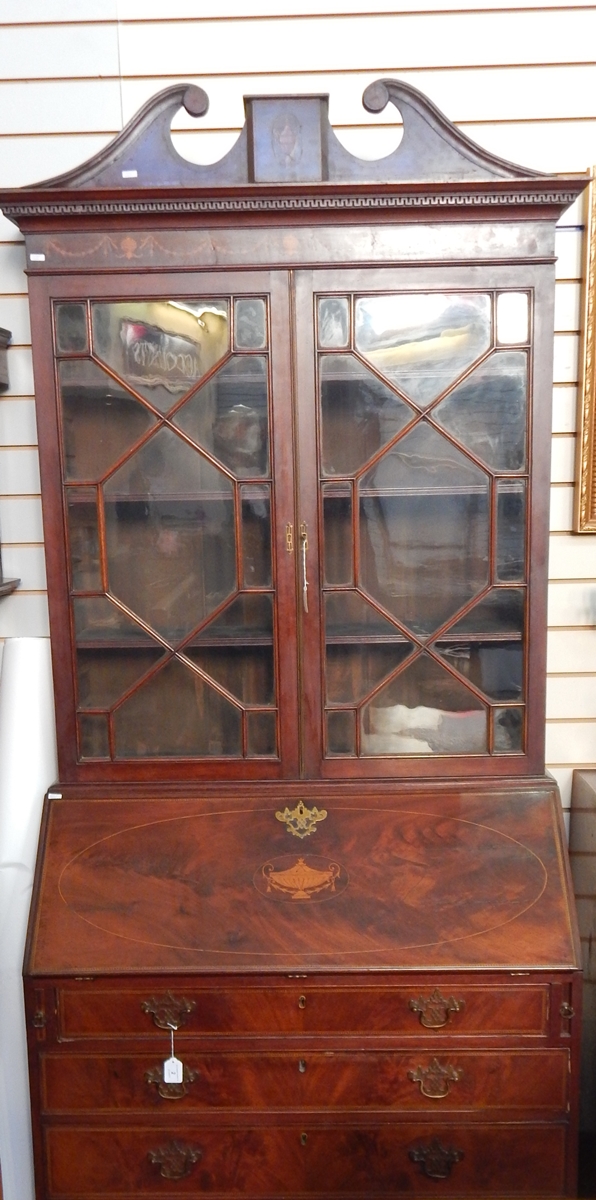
584 517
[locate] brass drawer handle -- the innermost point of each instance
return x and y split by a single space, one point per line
435 1011
435 1079
435 1160
168 1011
175 1159
302 1002
171 1091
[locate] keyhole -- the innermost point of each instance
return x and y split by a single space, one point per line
302 1065
302 1002
303 1139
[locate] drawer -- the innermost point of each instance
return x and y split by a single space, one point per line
482 1081
303 1009
318 1160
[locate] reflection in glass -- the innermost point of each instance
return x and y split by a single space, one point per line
93 737
256 535
487 412
334 322
104 675
359 414
424 711
424 530
83 539
422 342
170 535
229 416
486 646
99 622
236 649
261 730
511 530
100 420
362 647
508 730
71 328
337 533
162 348
250 331
512 318
177 714
341 733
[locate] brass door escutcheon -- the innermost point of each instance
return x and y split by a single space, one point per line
435 1160
168 1011
171 1091
302 1002
302 1065
303 1139
435 1079
175 1159
435 1011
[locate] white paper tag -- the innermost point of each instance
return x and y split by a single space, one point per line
173 1071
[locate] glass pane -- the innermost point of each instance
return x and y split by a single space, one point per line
83 538
177 714
162 348
487 413
362 647
250 329
100 420
93 737
261 734
359 414
338 533
99 622
423 342
71 328
341 733
104 675
256 535
229 417
334 322
512 318
511 530
424 711
424 532
170 535
487 645
236 649
508 730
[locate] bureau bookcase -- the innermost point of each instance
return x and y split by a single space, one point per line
302 922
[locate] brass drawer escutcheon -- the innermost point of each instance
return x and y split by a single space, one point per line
436 1160
435 1079
175 1159
168 1011
171 1091
435 1011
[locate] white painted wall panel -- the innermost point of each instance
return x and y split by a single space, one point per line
20 519
143 10
364 42
56 106
14 315
31 159
24 615
19 472
26 563
561 508
59 51
569 696
568 249
20 371
50 11
569 652
17 423
564 408
571 741
566 358
563 459
572 603
572 557
12 267
567 307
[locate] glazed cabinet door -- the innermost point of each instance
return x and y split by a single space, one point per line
174 436
415 450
